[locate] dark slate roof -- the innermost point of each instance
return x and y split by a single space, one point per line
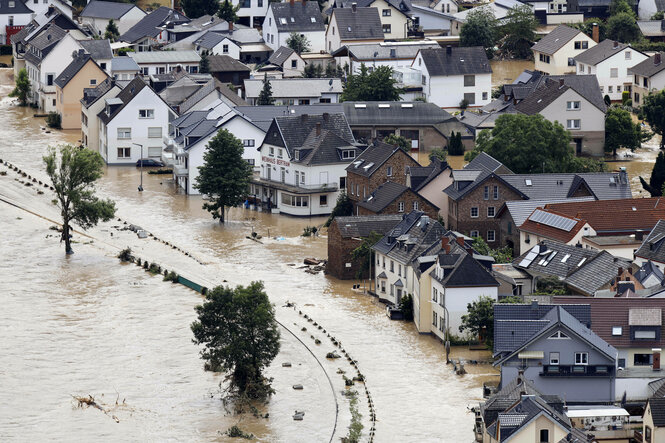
43 43
647 269
519 415
98 49
421 176
556 39
73 68
224 63
657 411
550 88
404 6
363 225
293 131
298 17
125 96
423 233
101 9
460 61
91 95
653 247
603 50
373 158
324 148
462 270
541 98
361 24
395 113
148 26
535 311
279 57
383 196
18 8
209 40
648 67
189 119
600 185
263 115
488 163
585 85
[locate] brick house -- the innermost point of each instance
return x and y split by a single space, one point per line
394 198
377 164
347 233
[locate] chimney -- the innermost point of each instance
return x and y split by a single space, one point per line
318 128
534 305
230 26
656 59
303 118
449 50
460 241
615 44
444 242
561 83
595 34
354 6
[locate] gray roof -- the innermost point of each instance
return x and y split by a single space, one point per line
294 87
109 10
236 35
98 49
148 26
556 39
73 68
262 116
657 406
297 16
462 270
124 64
421 176
549 88
280 55
18 7
91 95
123 98
460 61
653 246
40 46
324 148
382 196
225 63
196 25
395 113
648 269
388 50
484 161
373 158
361 24
520 210
423 234
601 185
648 67
602 51
210 39
651 28
364 225
165 57
404 6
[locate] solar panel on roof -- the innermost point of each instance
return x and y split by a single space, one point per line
553 220
526 261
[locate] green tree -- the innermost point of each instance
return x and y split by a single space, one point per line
299 43
73 172
406 307
313 71
22 89
455 146
500 255
519 32
621 132
197 8
343 208
621 7
438 154
363 253
240 336
549 285
587 27
479 30
623 27
398 141
228 12
657 179
479 319
660 15
376 86
204 64
265 96
224 176
112 32
653 109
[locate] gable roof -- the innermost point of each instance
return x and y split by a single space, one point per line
652 28
293 131
649 269
551 224
462 270
514 419
297 17
186 56
549 88
419 230
262 115
361 24
91 95
73 68
225 63
374 157
125 96
148 25
395 113
363 225
649 67
386 50
456 61
484 161
280 55
652 246
657 411
421 176
44 43
14 8
600 185
124 64
294 87
324 147
382 196
602 51
520 210
98 49
556 39
109 10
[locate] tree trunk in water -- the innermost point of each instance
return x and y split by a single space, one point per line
221 214
65 236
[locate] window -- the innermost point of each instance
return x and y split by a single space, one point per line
144 71
645 335
602 88
434 318
574 124
385 12
295 200
486 193
435 294
642 359
124 133
342 183
614 72
469 80
282 20
249 143
554 358
279 152
491 210
155 132
647 434
146 113
415 205
470 97
312 19
545 433
582 45
581 358
588 70
386 29
628 55
616 330
225 49
491 236
610 89
474 233
571 61
495 194
485 96
581 68
389 171
392 266
424 80
474 212
573 106
294 64
348 154
645 82
544 58
124 152
558 334
49 79
618 88
323 200
272 152
12 4
400 207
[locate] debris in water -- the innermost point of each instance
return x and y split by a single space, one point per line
299 415
90 401
297 387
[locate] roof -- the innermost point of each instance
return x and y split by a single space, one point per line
148 25
91 95
657 406
240 36
553 225
521 414
484 161
602 51
124 64
552 87
44 43
263 115
382 196
324 147
556 39
460 61
600 185
395 113
225 63
165 57
652 247
109 10
387 50
374 157
293 131
649 67
125 96
280 55
422 233
295 87
651 28
362 226
73 68
98 49
14 8
649 269
462 270
361 24
520 210
297 17
198 24
421 176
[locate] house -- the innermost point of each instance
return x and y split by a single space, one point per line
132 124
354 25
100 51
590 8
395 198
648 77
512 281
98 13
396 15
426 19
14 15
304 18
647 8
653 420
251 12
92 103
180 36
376 165
228 70
652 30
499 9
296 91
303 159
149 31
581 271
83 72
287 61
650 249
190 92
428 181
546 224
162 62
610 61
392 54
451 76
245 45
124 69
555 53
346 234
552 346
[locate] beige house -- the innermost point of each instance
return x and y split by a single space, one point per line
83 72
92 103
555 53
428 181
653 425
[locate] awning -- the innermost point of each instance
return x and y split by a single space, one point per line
255 47
531 355
118 45
399 283
382 275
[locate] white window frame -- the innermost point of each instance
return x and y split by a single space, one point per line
124 133
492 237
573 105
471 211
491 211
152 132
147 113
400 207
126 152
555 358
581 358
574 123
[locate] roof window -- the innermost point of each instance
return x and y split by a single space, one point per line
527 182
282 20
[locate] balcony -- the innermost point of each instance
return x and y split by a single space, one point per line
180 170
296 189
577 371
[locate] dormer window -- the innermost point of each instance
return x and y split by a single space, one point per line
296 154
348 154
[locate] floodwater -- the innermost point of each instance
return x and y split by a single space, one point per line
88 325
506 71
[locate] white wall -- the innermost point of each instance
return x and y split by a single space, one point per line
592 118
456 301
254 12
233 50
19 20
559 60
392 277
132 17
602 71
54 63
91 130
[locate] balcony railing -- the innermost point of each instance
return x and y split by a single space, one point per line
180 170
577 371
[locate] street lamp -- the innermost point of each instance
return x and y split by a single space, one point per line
141 162
447 344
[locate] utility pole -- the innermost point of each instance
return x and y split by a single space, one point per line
141 161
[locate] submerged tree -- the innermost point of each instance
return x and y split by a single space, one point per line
654 114
240 336
621 132
204 64
73 173
22 89
479 29
657 179
379 85
343 208
197 8
479 319
398 141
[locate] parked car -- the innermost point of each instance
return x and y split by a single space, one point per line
149 162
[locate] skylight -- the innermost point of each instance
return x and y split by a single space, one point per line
348 28
407 105
360 106
565 258
293 20
527 182
313 19
282 20
384 105
581 262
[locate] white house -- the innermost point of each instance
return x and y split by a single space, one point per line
303 18
303 159
453 75
124 68
92 103
97 15
13 16
428 19
353 26
288 62
162 62
100 51
555 53
132 124
393 54
245 44
42 6
251 12
296 91
447 6
610 61
150 30
648 76
395 15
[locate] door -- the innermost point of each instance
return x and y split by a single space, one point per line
656 360
578 146
399 296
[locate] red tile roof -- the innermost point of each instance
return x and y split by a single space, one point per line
543 230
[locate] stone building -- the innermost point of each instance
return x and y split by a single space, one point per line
394 198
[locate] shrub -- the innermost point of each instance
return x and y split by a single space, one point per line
235 432
54 120
309 231
155 268
171 276
126 255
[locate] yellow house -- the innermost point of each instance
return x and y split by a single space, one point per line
395 15
653 421
82 72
